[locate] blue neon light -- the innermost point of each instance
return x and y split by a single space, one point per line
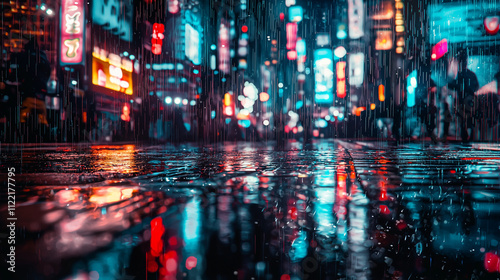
411 85
323 68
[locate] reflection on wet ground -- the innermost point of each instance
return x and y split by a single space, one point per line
336 210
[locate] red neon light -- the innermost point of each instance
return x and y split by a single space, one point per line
244 29
291 35
291 55
491 262
282 16
224 47
439 49
157 40
492 25
72 27
341 86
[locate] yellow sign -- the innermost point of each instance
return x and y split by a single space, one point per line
111 71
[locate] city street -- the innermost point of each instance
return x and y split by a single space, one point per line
334 209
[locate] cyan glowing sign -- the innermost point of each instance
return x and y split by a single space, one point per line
323 76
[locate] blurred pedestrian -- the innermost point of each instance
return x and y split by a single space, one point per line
465 84
489 101
448 117
33 72
431 110
179 131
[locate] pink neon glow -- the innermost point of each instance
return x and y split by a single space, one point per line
72 27
291 35
439 49
291 55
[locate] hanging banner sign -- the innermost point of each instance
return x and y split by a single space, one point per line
72 27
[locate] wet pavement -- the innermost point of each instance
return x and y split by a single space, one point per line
332 210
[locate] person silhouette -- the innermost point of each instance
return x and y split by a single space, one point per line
465 84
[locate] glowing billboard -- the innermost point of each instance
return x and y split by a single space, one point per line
111 71
72 29
115 16
192 49
295 14
323 76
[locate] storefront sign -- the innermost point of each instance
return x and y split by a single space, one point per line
112 71
72 27
115 16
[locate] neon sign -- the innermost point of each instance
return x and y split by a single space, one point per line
72 26
383 40
157 40
323 68
439 50
111 71
341 86
492 25
224 47
116 16
291 35
411 85
192 49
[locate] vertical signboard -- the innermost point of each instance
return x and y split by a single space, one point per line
224 47
355 11
356 69
72 30
323 76
157 39
291 35
192 49
341 86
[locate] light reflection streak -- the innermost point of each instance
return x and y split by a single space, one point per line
299 247
191 232
108 195
115 160
358 251
192 224
324 211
